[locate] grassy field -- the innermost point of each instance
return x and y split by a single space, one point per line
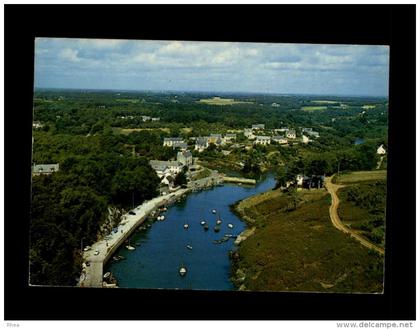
313 108
222 101
300 250
186 130
359 176
324 102
367 107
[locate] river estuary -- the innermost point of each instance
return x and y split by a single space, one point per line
161 249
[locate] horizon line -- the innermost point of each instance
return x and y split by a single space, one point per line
209 92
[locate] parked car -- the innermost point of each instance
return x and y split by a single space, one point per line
87 263
131 212
96 252
87 248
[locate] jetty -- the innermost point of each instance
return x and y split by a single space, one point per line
92 275
241 180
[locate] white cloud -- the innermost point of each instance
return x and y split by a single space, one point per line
70 55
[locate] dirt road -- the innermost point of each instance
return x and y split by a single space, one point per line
335 219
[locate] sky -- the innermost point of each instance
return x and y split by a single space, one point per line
212 66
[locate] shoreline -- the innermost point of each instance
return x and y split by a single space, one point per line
92 276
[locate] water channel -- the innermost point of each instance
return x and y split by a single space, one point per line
161 249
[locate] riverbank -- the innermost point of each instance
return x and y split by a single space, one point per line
299 249
92 275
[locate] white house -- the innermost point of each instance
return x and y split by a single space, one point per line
173 141
279 139
163 168
262 140
229 138
145 118
184 157
201 143
215 139
299 180
305 139
45 169
259 126
249 133
381 150
155 119
291 134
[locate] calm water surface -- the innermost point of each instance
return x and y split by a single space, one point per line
155 263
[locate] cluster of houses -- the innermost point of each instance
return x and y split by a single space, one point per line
286 135
167 170
201 143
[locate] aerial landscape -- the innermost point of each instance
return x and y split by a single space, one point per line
209 166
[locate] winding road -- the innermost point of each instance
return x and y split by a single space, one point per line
335 219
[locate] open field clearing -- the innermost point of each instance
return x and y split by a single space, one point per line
186 130
367 107
359 176
313 108
324 102
222 101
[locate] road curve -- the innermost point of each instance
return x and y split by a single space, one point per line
335 219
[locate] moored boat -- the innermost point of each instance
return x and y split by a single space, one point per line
230 225
182 270
189 247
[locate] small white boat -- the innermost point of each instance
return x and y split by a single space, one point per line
213 211
230 225
186 226
218 222
189 247
182 271
162 217
130 247
107 275
203 222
